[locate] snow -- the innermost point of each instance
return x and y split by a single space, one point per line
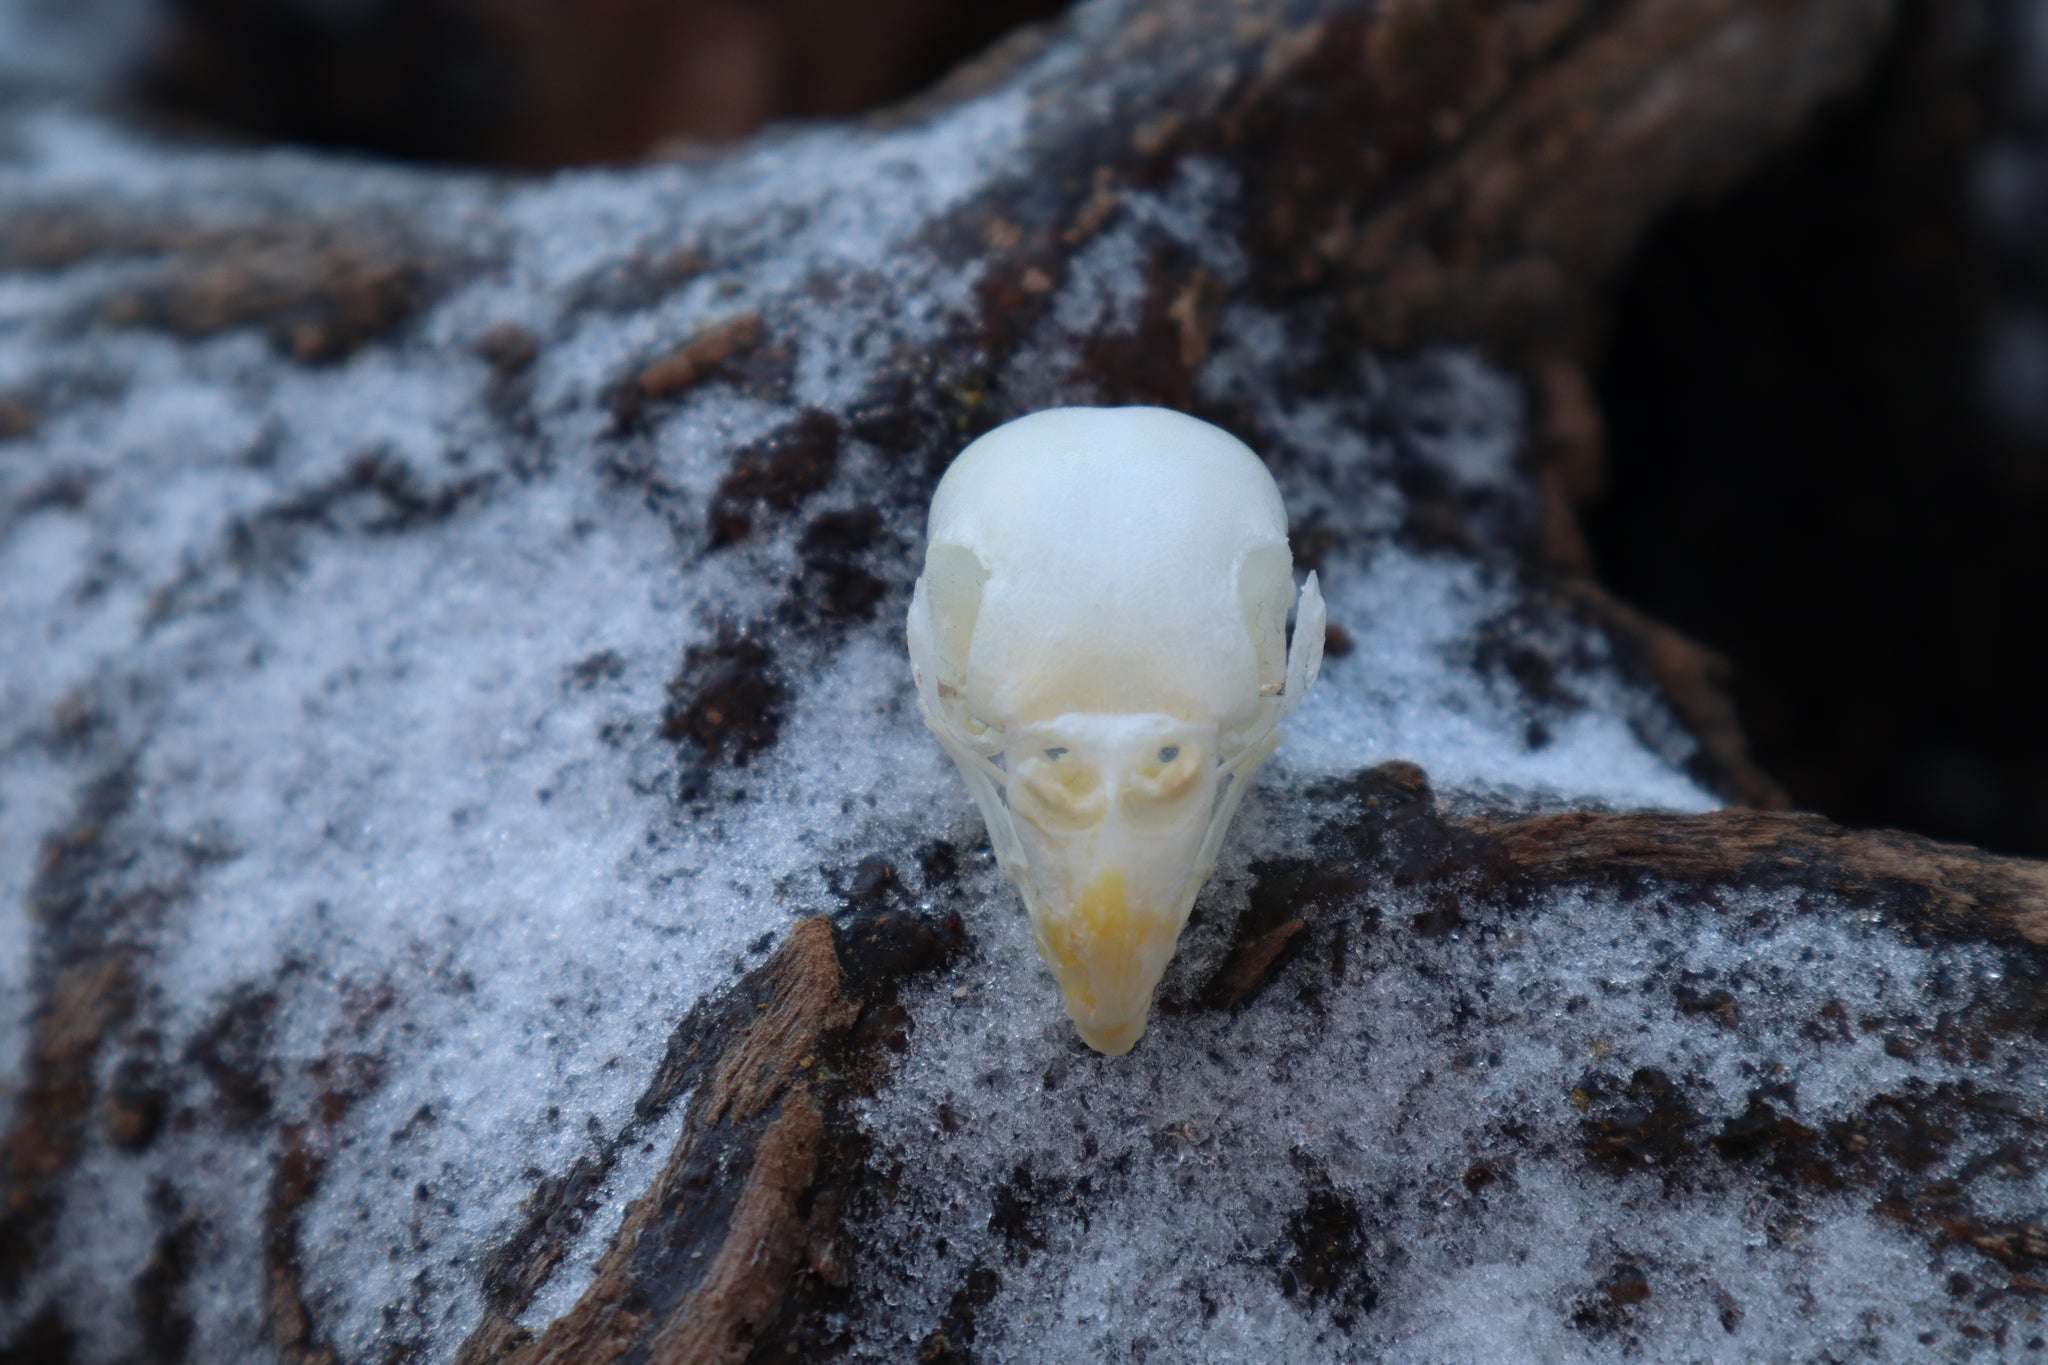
438 843
387 730
1162 1184
1407 691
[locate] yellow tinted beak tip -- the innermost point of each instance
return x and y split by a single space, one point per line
1098 954
1111 1042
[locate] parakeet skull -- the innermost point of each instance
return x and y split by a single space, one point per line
1099 639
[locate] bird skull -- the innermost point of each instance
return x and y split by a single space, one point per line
1099 639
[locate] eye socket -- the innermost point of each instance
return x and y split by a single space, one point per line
1156 790
1058 795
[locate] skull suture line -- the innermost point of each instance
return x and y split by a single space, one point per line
1099 640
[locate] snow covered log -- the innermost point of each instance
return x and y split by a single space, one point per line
756 1193
473 884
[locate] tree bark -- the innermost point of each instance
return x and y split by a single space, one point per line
458 623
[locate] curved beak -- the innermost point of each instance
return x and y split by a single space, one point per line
1113 814
1108 952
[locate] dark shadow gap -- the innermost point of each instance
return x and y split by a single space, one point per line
1803 476
548 83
